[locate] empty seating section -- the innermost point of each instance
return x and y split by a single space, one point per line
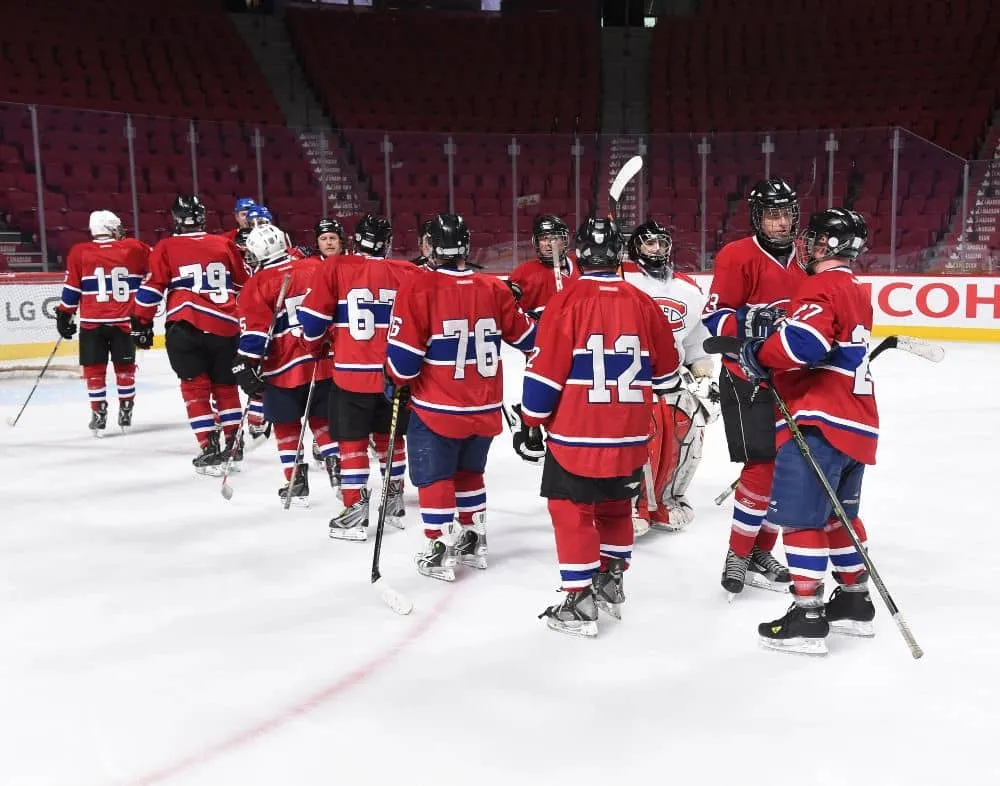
781 66
184 60
479 80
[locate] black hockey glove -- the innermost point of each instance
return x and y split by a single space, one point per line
142 333
65 324
748 361
515 290
390 388
248 376
759 321
529 442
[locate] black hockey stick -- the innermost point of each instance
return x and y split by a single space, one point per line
731 346
302 437
393 599
13 421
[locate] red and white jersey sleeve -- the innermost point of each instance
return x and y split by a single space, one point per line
102 277
444 343
538 282
820 355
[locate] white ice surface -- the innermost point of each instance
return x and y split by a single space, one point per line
151 632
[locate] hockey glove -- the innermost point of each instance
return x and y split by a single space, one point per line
142 333
515 290
748 361
248 376
759 321
65 324
390 388
529 442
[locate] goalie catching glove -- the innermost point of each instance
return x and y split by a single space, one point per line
529 441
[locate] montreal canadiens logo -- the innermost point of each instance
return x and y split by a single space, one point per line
674 310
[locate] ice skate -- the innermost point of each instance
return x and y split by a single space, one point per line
317 456
609 588
576 615
233 453
734 574
471 546
352 522
765 572
210 460
803 629
438 561
125 414
298 488
332 466
99 419
395 509
259 431
640 525
850 611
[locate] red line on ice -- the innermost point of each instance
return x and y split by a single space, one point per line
315 701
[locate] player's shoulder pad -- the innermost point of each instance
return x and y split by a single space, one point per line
686 279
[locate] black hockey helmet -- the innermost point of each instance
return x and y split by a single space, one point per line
425 229
450 239
373 236
325 225
548 225
771 198
188 213
650 246
838 233
599 243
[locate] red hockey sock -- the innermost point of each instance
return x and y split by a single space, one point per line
255 411
125 380
847 564
320 428
287 437
470 495
808 552
398 455
614 525
227 402
578 544
96 376
437 507
353 469
197 394
767 536
752 495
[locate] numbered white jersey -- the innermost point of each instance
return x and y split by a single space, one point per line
682 301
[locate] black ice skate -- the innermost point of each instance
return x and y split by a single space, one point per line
125 408
471 546
395 510
802 630
765 572
352 523
609 588
210 460
438 561
233 453
332 466
734 574
99 419
297 488
850 610
317 455
576 615
259 432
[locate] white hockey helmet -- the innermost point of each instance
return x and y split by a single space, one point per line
266 244
105 223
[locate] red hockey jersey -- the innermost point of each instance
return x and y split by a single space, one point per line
820 354
538 282
289 362
445 343
602 352
200 275
102 277
355 295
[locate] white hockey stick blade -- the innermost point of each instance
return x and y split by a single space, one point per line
227 491
925 349
394 600
629 170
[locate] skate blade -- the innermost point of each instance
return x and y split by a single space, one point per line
396 522
441 574
730 597
797 646
98 433
663 526
209 472
355 534
584 629
614 609
477 561
125 429
297 502
760 581
860 628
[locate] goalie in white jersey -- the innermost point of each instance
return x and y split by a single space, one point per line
679 420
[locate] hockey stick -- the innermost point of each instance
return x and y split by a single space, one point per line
302 437
629 169
393 599
731 345
13 421
227 490
915 346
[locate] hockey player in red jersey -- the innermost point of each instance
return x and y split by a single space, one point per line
679 420
243 205
424 243
818 364
283 377
351 300
536 279
444 347
102 277
602 353
752 285
199 274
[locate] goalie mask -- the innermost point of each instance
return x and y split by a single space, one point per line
188 214
450 240
774 214
104 223
373 236
649 247
599 244
550 237
834 234
266 245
